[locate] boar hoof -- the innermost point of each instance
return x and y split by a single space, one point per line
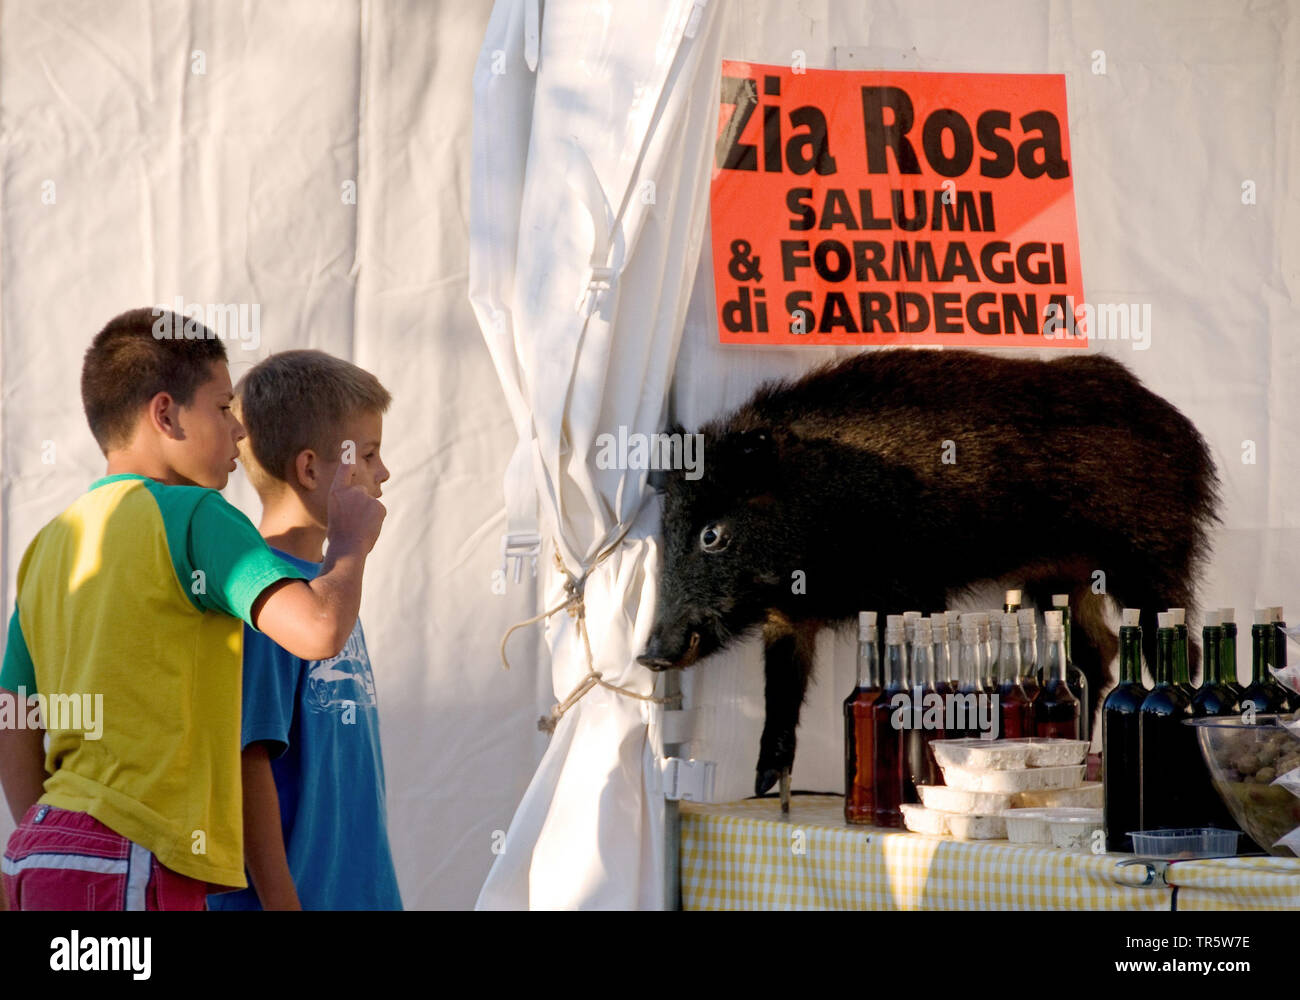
766 779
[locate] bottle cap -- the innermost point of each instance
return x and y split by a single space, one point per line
939 627
1213 618
894 631
1263 616
866 625
1013 597
1228 614
1277 613
1054 626
912 616
893 621
1180 615
1132 616
1010 627
1060 600
954 618
1164 619
1027 618
924 637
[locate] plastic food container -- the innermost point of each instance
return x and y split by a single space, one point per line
1075 832
1028 826
955 800
919 819
1027 780
1087 796
1204 842
1044 752
977 827
981 755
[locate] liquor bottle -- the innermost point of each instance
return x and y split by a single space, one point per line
887 782
1182 666
859 749
1074 676
1280 659
1027 619
1015 708
1228 652
927 713
1212 698
954 647
1168 750
969 689
943 671
1264 693
1012 604
991 625
1120 740
910 618
1056 709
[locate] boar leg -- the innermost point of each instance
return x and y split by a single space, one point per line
789 649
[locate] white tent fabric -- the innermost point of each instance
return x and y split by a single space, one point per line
596 164
224 186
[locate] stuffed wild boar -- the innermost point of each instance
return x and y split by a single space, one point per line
896 479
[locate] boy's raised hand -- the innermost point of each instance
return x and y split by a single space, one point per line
355 517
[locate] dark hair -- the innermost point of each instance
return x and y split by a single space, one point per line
136 356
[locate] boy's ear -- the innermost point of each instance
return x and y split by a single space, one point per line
305 470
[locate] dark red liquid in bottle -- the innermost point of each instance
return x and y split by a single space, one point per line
889 758
1016 713
859 756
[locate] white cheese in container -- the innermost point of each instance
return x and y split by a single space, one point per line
984 755
956 800
1027 780
919 819
1045 752
977 827
1087 795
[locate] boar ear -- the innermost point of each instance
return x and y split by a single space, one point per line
658 479
757 453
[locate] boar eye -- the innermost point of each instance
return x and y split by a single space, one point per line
714 537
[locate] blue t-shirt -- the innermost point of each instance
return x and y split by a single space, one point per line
322 722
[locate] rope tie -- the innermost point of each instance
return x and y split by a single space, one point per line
575 604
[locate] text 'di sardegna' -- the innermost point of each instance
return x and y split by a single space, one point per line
857 207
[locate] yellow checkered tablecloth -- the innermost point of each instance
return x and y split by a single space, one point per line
747 856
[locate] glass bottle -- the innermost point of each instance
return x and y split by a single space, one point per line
859 748
922 766
887 781
1280 659
1264 692
1016 710
990 624
1120 740
1182 665
1027 620
970 669
1212 698
954 647
943 672
1228 652
1074 676
1167 747
1056 710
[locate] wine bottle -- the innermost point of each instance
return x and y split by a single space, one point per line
1228 652
1056 710
1074 676
1120 760
887 782
954 647
970 668
1167 748
859 748
1264 693
990 627
1280 659
1212 698
1182 665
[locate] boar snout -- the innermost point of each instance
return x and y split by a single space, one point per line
662 653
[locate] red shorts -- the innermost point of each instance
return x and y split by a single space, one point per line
62 860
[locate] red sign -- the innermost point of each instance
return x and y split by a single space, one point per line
857 207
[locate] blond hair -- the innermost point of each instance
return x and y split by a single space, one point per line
300 399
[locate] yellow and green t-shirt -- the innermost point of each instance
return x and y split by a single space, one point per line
138 592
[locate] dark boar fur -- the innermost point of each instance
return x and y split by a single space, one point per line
1062 468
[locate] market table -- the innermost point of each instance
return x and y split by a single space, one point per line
747 856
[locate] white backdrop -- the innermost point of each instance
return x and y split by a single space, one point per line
226 186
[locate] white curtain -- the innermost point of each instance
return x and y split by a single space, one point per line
591 157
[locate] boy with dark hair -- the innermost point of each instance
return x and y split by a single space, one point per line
136 594
315 832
